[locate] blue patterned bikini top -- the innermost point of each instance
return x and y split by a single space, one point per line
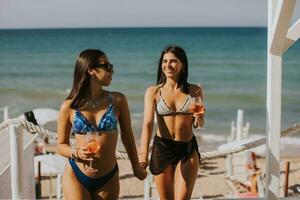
108 122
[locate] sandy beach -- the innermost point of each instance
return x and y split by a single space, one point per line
210 175
211 182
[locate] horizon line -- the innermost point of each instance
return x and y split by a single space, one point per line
133 27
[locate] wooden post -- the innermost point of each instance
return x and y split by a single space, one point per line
16 166
59 186
273 126
293 35
279 15
38 187
246 130
286 178
232 133
273 110
5 111
229 168
239 124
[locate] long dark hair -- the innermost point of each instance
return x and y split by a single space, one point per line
181 55
87 58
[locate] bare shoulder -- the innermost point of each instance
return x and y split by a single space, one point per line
65 108
66 105
196 90
119 101
152 91
118 96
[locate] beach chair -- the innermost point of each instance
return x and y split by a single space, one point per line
51 165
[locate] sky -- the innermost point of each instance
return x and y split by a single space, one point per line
133 13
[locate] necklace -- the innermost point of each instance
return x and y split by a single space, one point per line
92 103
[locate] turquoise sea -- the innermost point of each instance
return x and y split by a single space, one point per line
36 69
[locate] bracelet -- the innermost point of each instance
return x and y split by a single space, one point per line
76 153
143 153
73 154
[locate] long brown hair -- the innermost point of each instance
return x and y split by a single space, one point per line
181 55
87 58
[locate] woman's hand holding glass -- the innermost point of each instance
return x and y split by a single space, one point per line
83 154
197 107
91 147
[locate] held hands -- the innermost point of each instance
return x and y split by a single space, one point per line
139 172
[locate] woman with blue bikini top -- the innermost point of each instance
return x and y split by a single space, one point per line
91 108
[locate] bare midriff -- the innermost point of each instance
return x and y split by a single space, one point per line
176 127
105 157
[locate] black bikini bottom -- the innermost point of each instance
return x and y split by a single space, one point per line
166 151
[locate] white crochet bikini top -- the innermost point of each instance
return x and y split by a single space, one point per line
163 109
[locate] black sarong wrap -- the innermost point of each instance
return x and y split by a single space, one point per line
166 151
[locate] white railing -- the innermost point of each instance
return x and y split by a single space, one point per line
16 157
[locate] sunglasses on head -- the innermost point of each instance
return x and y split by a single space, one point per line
107 67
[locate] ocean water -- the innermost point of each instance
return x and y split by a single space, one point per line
36 69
